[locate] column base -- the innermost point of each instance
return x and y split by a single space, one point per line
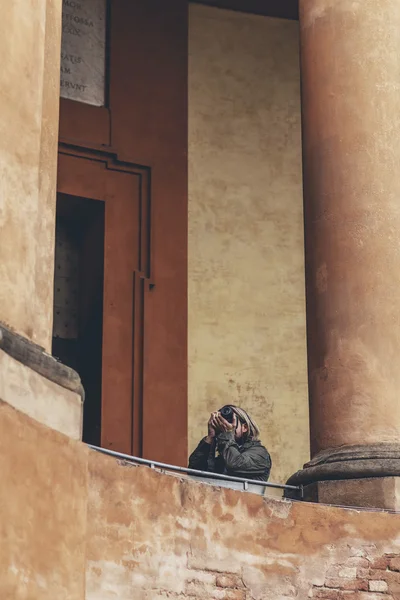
374 492
364 476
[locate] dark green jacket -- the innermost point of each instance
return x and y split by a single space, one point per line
250 461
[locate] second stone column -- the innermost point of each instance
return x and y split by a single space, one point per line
350 67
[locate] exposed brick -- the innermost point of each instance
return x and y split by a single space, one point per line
198 590
326 594
347 584
330 594
394 588
362 573
380 563
201 577
377 586
203 591
373 596
342 571
394 564
348 572
379 574
357 561
229 581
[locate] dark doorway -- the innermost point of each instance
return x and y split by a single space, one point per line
78 299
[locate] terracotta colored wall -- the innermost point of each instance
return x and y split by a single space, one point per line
163 537
77 525
29 80
43 500
246 264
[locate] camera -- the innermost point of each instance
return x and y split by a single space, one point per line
227 413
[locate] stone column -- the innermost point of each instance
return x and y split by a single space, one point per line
350 67
30 42
30 380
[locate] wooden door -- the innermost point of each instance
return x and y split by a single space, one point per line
132 153
126 261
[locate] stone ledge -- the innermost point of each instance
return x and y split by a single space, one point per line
33 356
40 398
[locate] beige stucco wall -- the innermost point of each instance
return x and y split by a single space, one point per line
247 338
29 83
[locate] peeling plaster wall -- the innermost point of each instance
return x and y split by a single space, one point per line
43 502
77 525
247 338
29 83
165 537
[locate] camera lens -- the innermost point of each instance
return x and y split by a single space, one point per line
227 413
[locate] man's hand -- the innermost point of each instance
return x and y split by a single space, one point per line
211 429
223 425
216 424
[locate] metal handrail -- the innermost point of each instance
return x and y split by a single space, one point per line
155 464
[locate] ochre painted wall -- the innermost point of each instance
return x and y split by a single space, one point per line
76 525
29 83
247 337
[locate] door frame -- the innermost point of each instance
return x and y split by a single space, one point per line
86 174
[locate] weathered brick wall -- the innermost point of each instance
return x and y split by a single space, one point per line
362 578
154 536
77 525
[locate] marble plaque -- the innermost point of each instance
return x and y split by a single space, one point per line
83 51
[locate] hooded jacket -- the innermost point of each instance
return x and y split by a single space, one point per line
249 460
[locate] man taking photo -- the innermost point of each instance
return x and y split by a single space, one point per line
234 437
